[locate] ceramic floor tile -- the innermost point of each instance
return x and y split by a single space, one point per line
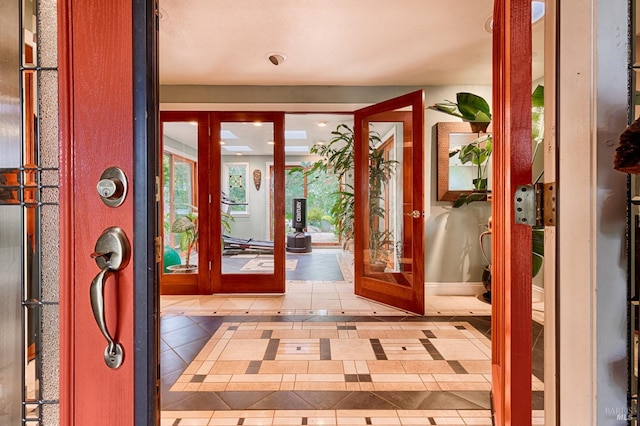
301 384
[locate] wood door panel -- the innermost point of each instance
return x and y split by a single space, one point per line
96 133
403 288
244 282
511 248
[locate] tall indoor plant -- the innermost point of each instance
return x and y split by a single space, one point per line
187 227
337 157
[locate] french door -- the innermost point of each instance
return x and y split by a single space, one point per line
262 268
222 175
389 202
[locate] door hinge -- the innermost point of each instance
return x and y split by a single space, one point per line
535 205
158 249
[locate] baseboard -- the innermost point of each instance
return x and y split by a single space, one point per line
454 289
470 289
537 294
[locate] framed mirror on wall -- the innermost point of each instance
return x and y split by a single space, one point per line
464 159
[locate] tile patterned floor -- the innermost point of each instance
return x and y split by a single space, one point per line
319 355
330 366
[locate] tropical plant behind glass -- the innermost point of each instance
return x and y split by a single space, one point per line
337 157
187 226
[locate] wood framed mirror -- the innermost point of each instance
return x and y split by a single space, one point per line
454 178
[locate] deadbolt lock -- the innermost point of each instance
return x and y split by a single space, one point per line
112 187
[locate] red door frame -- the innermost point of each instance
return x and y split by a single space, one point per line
511 250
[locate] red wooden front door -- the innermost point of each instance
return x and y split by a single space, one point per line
97 132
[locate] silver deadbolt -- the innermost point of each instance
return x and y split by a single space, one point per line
112 186
112 254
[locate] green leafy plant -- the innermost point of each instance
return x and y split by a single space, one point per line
337 157
468 106
187 227
475 109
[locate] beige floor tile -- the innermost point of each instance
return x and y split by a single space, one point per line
253 386
247 349
281 367
458 349
213 387
256 378
217 378
229 367
385 367
477 367
433 366
325 367
398 386
351 349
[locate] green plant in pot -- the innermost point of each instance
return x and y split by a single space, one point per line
337 157
187 228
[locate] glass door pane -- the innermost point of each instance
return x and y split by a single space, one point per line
250 164
246 151
389 224
179 197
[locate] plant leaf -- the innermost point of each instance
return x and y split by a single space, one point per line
473 107
182 224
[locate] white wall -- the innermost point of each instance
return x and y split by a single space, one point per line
592 86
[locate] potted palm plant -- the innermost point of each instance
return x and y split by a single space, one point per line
187 227
337 158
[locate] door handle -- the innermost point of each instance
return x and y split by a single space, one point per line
112 254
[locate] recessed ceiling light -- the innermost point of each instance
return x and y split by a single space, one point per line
222 142
271 142
257 123
322 124
276 58
237 153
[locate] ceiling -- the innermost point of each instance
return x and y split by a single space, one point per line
329 42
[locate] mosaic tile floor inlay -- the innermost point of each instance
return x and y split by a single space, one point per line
327 363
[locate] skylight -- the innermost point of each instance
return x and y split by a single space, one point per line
296 148
237 148
295 134
227 134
